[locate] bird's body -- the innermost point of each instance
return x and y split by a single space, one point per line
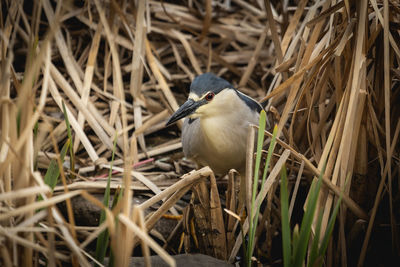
217 144
216 129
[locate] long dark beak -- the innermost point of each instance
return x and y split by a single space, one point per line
186 109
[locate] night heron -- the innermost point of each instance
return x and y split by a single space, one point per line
218 117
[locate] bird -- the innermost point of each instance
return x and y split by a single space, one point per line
217 118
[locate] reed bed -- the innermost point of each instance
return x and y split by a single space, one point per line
78 77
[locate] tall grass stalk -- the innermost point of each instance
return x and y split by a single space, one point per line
71 148
287 249
53 171
254 211
295 246
103 238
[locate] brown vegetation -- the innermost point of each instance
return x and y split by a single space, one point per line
326 71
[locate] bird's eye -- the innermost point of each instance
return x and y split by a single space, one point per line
209 96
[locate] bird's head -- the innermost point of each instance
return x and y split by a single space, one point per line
207 97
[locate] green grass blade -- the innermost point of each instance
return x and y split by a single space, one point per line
71 147
103 238
112 259
260 141
331 224
266 168
306 224
53 172
286 244
117 197
267 162
329 229
315 244
269 155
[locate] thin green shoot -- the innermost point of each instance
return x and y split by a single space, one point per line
53 171
286 243
331 222
103 239
254 211
266 168
117 197
295 254
315 243
306 224
71 147
260 140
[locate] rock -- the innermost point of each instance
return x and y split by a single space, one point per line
182 260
